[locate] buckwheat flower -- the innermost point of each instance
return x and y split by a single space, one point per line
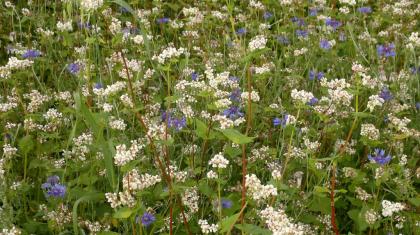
370 131
207 228
211 175
379 157
147 219
301 96
258 42
325 44
387 50
91 5
364 10
31 54
389 208
219 161
371 216
375 100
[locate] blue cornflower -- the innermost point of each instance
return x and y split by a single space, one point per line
233 78
302 33
320 75
385 94
162 20
31 54
241 31
415 70
226 203
282 122
123 10
235 95
283 40
147 219
335 24
298 21
194 76
364 10
53 188
267 15
386 50
380 157
418 105
324 44
313 101
313 73
313 11
177 123
73 68
233 112
85 25
98 85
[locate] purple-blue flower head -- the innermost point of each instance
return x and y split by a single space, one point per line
73 68
147 219
313 73
418 105
364 10
282 122
325 44
313 101
226 203
194 76
379 157
313 11
283 40
235 95
53 188
163 20
233 113
385 94
387 50
267 15
335 24
31 54
241 31
298 21
302 33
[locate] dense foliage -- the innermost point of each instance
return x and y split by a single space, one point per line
209 117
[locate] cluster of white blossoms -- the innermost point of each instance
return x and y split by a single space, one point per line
258 42
14 64
207 228
257 190
64 26
124 198
399 124
301 96
374 101
169 53
133 181
36 100
389 208
413 40
369 131
91 5
371 216
11 231
117 123
278 222
219 161
80 147
254 96
190 199
124 155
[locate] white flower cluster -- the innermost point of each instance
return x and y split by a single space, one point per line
9 151
11 231
14 64
301 96
169 53
190 199
369 130
389 208
374 100
258 42
91 5
207 228
117 124
64 26
121 199
133 181
399 124
371 216
413 40
258 191
80 147
279 223
219 161
124 155
36 100
254 96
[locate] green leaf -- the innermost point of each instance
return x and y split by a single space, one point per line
26 144
108 233
237 137
252 229
227 224
201 129
415 201
123 213
88 197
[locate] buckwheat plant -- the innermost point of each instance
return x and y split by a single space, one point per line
209 117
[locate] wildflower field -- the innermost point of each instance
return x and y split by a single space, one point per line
233 117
